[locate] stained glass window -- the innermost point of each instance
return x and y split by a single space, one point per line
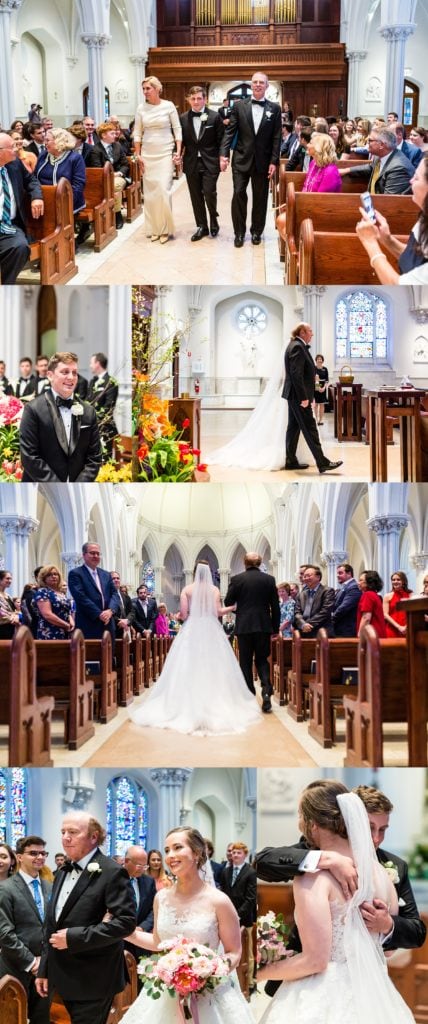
148 577
13 804
252 320
361 327
126 815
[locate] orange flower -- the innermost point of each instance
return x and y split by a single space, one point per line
186 423
157 405
143 451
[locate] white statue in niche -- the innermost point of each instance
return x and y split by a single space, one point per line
275 791
249 353
420 349
374 90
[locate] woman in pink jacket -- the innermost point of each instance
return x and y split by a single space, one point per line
323 175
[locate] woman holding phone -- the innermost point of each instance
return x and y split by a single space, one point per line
413 255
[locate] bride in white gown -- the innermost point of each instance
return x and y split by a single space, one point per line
201 688
200 912
340 977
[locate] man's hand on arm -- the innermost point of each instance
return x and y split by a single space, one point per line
59 939
41 987
377 917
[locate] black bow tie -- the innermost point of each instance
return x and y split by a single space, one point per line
71 865
196 113
258 103
67 402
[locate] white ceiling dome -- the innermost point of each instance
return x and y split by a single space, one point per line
206 509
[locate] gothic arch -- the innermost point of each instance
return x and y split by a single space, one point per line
236 560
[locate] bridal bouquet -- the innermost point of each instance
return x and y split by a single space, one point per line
272 938
185 970
11 410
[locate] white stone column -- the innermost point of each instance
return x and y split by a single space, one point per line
17 529
251 802
138 60
395 37
10 311
158 570
171 782
420 563
388 530
119 352
188 576
224 580
355 59
7 100
95 45
312 295
70 559
331 559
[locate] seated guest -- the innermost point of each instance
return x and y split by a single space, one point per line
413 255
396 621
123 135
323 175
9 614
28 159
287 608
79 135
413 153
55 619
298 150
349 133
36 136
16 183
162 621
59 437
370 608
419 137
108 149
336 133
62 161
390 172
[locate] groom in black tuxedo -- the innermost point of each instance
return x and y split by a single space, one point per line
255 130
90 913
59 436
257 617
299 390
202 135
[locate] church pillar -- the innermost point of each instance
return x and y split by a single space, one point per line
138 60
388 530
251 802
119 346
224 580
158 570
7 111
17 529
11 303
332 559
188 576
171 782
355 59
71 559
312 294
420 563
395 37
95 45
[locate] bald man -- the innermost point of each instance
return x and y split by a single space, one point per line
257 617
144 891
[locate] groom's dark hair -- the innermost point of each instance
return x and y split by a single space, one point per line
251 559
194 89
375 802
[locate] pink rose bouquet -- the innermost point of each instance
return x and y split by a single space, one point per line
272 938
11 410
187 969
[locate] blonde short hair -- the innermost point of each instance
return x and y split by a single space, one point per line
62 138
44 573
152 80
324 149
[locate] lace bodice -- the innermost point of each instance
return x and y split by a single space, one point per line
338 915
198 924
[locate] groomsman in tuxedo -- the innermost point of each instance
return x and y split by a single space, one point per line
59 436
346 598
255 130
26 385
225 111
257 617
144 612
102 393
202 135
23 901
123 615
91 912
239 883
144 892
94 594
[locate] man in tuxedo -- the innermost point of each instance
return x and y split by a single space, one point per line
16 185
346 598
144 892
299 391
239 882
257 617
23 901
6 387
26 385
144 612
314 604
90 913
123 615
59 437
94 594
43 382
102 394
255 130
202 135
225 111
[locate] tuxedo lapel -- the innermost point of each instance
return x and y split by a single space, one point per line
58 424
249 115
74 433
84 880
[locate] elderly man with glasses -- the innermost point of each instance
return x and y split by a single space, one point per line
16 184
23 901
389 171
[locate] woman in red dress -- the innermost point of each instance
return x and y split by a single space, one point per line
396 622
370 604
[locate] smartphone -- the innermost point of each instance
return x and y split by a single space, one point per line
367 202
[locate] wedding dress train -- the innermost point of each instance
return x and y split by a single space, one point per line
201 689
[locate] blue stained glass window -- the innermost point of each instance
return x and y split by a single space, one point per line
148 577
126 815
361 327
13 804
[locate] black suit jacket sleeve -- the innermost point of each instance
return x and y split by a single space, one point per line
30 183
409 930
120 903
93 455
37 468
12 946
230 131
280 864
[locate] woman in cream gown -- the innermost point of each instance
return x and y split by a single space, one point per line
198 911
157 130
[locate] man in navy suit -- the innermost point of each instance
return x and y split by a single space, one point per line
144 891
15 184
94 593
346 598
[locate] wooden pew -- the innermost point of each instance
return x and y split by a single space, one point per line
242 968
138 666
52 236
13 1001
416 609
125 671
327 690
326 257
102 673
28 718
60 673
133 194
121 1002
280 665
357 184
411 979
337 212
99 209
302 656
381 697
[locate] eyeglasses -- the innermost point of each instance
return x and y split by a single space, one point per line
36 853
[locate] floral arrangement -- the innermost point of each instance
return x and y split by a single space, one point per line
11 410
162 453
272 938
187 969
111 474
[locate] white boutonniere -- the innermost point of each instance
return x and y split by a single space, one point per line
269 114
392 871
94 868
204 117
77 409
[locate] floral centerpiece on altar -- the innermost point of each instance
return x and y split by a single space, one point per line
187 969
11 410
272 938
162 454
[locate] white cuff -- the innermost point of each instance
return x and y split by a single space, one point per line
311 861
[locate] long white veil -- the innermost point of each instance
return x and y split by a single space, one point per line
203 594
375 997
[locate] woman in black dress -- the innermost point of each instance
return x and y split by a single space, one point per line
321 381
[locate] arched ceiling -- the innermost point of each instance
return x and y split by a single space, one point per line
207 510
